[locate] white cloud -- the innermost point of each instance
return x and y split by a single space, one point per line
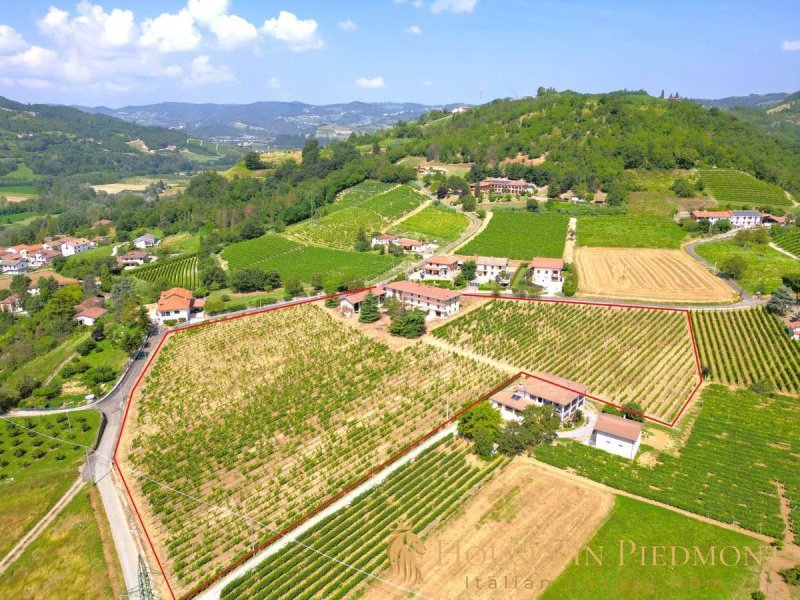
455 6
427 83
791 46
299 34
371 83
207 11
10 40
202 72
233 31
93 28
171 33
274 83
414 30
347 25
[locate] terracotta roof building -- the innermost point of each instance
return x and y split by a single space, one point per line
178 304
617 435
436 302
544 389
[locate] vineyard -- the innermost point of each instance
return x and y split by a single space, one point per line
740 445
275 252
622 354
358 194
788 239
425 492
181 272
520 235
629 231
738 188
434 223
741 347
306 407
339 229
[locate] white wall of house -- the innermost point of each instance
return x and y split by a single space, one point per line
173 315
552 280
86 321
69 249
614 445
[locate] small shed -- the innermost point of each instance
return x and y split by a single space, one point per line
617 435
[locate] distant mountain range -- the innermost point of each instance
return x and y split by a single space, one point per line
270 122
751 101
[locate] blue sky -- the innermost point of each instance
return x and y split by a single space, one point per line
141 51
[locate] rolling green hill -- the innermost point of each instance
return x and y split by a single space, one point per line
44 140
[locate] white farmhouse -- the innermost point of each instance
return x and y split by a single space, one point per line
547 273
436 302
71 246
745 219
13 265
489 268
148 240
440 267
384 240
617 435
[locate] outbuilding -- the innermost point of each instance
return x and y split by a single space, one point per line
617 435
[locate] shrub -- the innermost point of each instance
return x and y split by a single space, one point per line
86 347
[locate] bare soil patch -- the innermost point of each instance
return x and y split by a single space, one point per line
15 198
647 274
116 188
520 532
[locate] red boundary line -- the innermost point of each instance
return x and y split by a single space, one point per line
206 584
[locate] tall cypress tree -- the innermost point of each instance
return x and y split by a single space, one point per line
369 309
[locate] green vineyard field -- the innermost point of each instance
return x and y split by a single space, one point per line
180 272
737 188
433 223
789 240
741 347
520 235
425 492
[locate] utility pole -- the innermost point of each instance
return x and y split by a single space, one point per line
144 591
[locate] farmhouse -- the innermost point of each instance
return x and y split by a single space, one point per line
102 223
384 240
11 304
134 258
71 246
178 304
11 264
745 219
565 396
768 219
440 267
617 435
147 240
42 257
547 273
794 328
490 269
502 185
710 215
436 302
89 316
415 246
33 288
351 304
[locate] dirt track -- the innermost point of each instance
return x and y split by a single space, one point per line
520 531
649 275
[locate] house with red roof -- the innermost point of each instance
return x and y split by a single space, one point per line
617 435
351 304
435 302
179 305
90 315
439 267
794 328
547 273
565 396
11 304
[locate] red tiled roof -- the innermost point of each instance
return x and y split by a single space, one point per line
442 260
546 263
360 296
94 312
12 299
494 262
411 287
35 276
175 299
711 214
409 243
626 429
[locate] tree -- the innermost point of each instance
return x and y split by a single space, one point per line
362 242
468 269
369 309
252 161
20 284
409 325
468 203
393 306
542 422
733 266
683 188
246 280
634 407
781 301
484 441
213 277
316 282
514 439
251 228
293 286
89 286
481 416
532 204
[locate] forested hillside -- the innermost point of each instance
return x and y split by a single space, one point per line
589 140
62 141
781 119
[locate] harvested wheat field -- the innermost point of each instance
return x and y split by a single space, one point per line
649 275
268 416
118 188
514 537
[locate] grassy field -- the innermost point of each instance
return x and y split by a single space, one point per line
622 354
36 471
789 240
67 560
520 235
746 346
185 243
292 259
310 406
425 492
737 188
239 301
44 366
434 223
740 445
181 272
629 231
17 217
633 525
340 228
765 265
653 196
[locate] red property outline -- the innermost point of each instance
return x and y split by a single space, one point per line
206 584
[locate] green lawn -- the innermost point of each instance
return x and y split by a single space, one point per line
653 196
275 252
31 485
629 231
42 367
184 243
520 235
741 189
434 223
633 526
17 190
765 265
240 301
739 446
67 560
